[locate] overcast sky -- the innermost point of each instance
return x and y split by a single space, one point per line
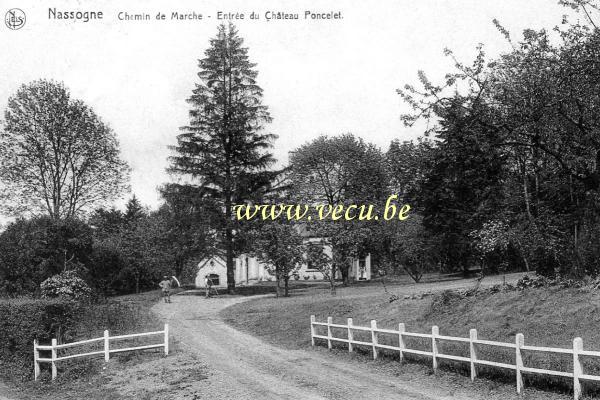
319 77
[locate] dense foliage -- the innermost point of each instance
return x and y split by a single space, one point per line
66 285
113 253
511 178
24 320
33 250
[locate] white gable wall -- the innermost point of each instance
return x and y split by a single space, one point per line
213 265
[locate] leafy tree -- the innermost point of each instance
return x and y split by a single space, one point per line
520 138
407 165
407 245
57 156
333 171
224 150
139 245
280 247
188 235
106 222
321 261
131 249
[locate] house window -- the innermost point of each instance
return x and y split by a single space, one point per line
310 267
214 279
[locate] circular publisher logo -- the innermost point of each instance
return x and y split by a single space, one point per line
14 18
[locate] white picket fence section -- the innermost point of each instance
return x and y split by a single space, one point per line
106 351
474 342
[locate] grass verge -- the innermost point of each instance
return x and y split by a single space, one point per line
547 317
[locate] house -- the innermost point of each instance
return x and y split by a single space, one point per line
249 270
216 270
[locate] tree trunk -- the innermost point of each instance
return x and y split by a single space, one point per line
526 193
526 262
230 271
332 279
179 264
345 275
286 280
278 279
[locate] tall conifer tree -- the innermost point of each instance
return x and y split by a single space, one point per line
224 149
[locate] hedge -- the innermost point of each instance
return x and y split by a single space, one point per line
22 321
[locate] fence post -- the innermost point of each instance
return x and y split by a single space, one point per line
36 363
350 335
519 342
54 372
473 352
374 338
435 331
166 339
106 346
312 330
401 330
329 335
577 369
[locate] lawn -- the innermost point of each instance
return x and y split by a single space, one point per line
547 317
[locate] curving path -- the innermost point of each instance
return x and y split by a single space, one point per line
244 367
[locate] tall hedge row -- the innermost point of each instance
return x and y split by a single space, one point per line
22 321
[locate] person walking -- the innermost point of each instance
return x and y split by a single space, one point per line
165 286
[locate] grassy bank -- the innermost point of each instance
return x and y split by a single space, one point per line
547 317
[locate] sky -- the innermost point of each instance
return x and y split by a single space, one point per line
319 77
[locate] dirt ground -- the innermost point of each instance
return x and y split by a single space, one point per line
212 360
241 366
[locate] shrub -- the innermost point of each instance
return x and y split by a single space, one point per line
24 320
66 285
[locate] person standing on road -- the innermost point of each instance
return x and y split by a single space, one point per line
165 286
207 285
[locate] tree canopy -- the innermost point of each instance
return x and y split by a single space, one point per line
57 156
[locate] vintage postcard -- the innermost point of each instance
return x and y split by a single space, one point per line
310 199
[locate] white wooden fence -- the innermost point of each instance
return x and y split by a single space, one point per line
474 343
106 351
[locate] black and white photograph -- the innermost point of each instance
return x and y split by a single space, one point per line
310 199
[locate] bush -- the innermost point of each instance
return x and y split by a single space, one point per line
66 285
24 320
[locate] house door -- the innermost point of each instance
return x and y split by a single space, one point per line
362 269
214 279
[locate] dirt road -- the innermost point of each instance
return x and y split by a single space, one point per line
243 367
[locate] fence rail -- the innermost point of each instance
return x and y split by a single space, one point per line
474 343
106 351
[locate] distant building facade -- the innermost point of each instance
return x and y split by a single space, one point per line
250 271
